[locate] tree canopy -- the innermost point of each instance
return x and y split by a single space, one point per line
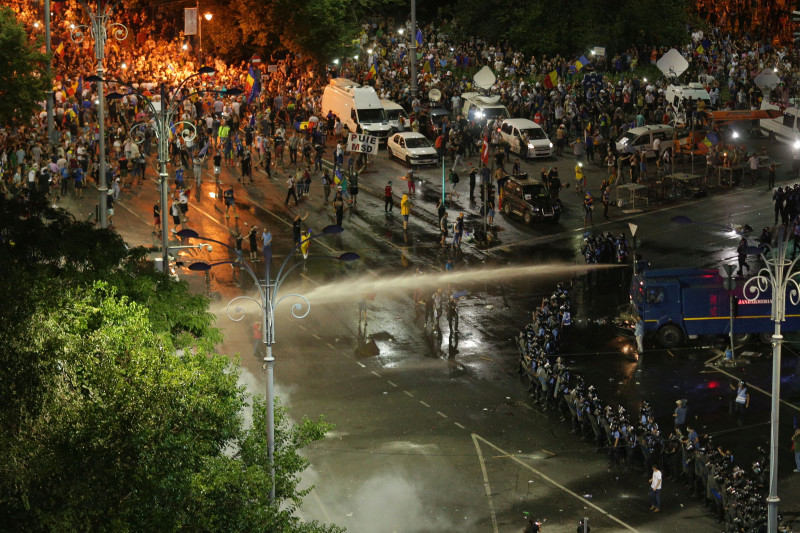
23 79
541 27
105 424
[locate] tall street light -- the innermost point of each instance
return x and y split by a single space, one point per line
268 300
778 276
163 112
99 29
208 16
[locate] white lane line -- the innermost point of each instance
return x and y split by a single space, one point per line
329 345
390 383
486 483
362 365
751 386
423 403
543 476
441 414
309 279
408 394
375 373
459 425
317 337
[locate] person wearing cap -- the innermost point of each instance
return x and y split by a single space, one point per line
741 401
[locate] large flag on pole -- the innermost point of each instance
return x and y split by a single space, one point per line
420 39
249 81
582 62
255 90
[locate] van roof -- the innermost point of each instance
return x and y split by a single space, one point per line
389 104
344 82
654 127
521 123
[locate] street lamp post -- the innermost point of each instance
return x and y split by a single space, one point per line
413 48
99 29
208 16
51 141
268 300
779 276
163 112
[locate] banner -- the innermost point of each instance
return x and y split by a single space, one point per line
190 21
366 144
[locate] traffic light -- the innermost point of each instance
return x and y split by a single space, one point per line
796 20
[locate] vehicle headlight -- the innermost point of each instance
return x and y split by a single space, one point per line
530 145
623 142
536 209
551 145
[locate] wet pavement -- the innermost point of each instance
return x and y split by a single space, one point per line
436 433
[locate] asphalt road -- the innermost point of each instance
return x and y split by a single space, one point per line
437 434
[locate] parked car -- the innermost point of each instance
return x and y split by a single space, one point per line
412 148
539 145
529 199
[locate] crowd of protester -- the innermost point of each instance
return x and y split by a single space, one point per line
154 53
634 440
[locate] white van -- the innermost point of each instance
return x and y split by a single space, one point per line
359 108
642 139
783 128
677 96
482 109
539 145
393 112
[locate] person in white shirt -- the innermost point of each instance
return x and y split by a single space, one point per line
655 490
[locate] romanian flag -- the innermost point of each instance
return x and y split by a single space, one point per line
372 72
79 88
700 48
249 82
580 63
60 50
419 37
255 89
550 80
72 89
426 66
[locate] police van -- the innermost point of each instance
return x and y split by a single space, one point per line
782 128
393 112
481 109
358 107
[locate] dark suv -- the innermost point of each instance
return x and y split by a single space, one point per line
530 199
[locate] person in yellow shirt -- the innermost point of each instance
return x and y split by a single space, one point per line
580 179
405 210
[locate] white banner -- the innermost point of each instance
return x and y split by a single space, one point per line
190 21
367 144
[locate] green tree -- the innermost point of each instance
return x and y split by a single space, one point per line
23 81
104 424
535 28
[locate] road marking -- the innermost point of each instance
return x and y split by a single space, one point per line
408 394
486 483
362 365
329 345
390 383
423 403
321 506
316 337
551 454
375 373
459 425
751 386
553 482
441 414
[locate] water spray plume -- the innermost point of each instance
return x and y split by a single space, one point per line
347 289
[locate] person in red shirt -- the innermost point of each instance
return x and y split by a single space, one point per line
388 198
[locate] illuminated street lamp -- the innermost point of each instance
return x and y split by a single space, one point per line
99 29
335 61
268 300
163 112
